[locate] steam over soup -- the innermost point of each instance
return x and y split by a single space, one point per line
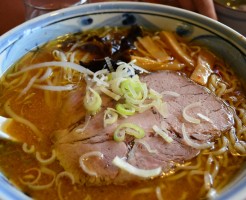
122 111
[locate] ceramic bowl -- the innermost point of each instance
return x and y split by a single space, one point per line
191 26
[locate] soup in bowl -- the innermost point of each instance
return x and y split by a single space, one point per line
131 100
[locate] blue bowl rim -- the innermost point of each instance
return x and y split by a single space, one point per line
211 25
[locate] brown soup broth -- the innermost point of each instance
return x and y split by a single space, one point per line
43 109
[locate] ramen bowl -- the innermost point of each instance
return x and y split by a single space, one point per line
222 40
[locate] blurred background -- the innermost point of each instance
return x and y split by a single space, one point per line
12 13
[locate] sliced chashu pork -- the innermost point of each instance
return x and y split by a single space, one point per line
71 145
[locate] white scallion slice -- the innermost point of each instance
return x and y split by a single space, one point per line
132 67
115 84
144 173
125 69
204 117
140 69
170 93
146 145
81 128
106 91
163 134
112 109
92 101
110 117
142 107
100 76
85 157
189 118
154 94
194 144
161 107
158 103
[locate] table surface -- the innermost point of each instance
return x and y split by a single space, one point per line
12 13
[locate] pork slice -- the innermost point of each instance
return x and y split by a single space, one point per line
69 154
73 144
96 127
72 109
212 107
160 153
71 129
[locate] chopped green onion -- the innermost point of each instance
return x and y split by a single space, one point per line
163 134
125 109
92 101
115 85
130 129
100 77
142 107
132 87
110 77
154 94
112 109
